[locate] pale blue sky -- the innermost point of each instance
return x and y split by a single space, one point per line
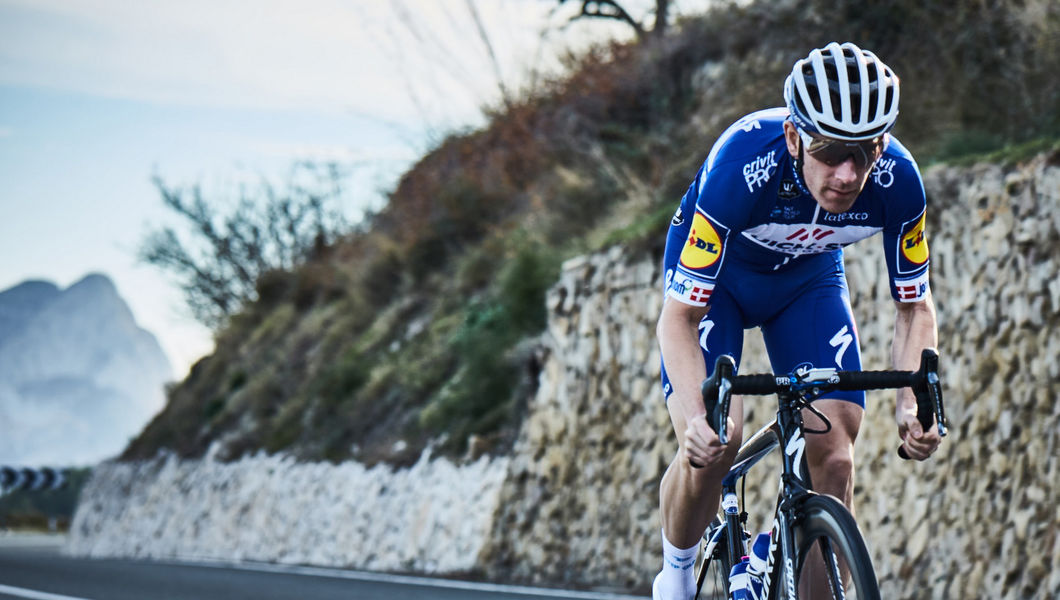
76 196
98 95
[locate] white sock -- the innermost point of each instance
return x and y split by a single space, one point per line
676 581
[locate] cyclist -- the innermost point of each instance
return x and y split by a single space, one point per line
757 242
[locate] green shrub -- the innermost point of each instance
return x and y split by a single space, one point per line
966 143
342 380
522 284
284 431
479 398
213 408
237 380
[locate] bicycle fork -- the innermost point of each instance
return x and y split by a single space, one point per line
781 559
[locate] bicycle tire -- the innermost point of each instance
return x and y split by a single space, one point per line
712 579
823 521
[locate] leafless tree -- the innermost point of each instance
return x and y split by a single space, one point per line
611 9
268 229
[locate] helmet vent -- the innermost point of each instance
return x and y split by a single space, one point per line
843 91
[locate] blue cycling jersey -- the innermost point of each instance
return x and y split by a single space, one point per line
751 242
748 205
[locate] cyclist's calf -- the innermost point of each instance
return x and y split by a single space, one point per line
689 496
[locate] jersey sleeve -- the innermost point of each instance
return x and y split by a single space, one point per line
719 202
722 206
904 236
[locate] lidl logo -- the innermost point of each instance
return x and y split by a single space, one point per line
914 245
704 245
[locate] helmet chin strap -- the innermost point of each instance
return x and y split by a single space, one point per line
797 163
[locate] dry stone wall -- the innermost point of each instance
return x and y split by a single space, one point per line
577 502
980 520
433 517
580 502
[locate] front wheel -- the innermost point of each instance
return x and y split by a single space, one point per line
832 561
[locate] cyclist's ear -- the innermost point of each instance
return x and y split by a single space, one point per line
791 136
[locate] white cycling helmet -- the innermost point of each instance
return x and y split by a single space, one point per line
842 92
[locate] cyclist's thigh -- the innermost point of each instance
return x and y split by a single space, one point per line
816 330
845 419
720 332
830 451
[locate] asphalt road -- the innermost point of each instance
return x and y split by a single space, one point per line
34 568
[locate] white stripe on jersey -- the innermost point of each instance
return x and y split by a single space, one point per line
746 124
806 238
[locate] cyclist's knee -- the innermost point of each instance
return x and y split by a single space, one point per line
833 465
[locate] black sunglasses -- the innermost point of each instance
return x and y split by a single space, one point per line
835 152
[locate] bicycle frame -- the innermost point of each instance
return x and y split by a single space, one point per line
795 486
795 392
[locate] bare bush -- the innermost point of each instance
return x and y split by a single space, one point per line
219 261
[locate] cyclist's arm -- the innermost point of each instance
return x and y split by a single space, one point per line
915 328
678 333
718 201
908 265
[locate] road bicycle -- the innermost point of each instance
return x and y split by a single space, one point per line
815 545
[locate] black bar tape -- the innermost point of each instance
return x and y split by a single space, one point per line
755 384
874 380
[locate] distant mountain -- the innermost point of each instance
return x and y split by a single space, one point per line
21 302
78 376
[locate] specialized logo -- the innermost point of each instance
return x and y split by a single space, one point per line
749 126
757 172
795 448
841 340
883 172
704 330
704 245
914 244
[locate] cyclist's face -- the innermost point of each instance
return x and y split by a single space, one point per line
834 186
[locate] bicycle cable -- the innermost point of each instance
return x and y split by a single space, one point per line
809 406
743 499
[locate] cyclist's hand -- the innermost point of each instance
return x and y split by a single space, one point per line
919 443
702 446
